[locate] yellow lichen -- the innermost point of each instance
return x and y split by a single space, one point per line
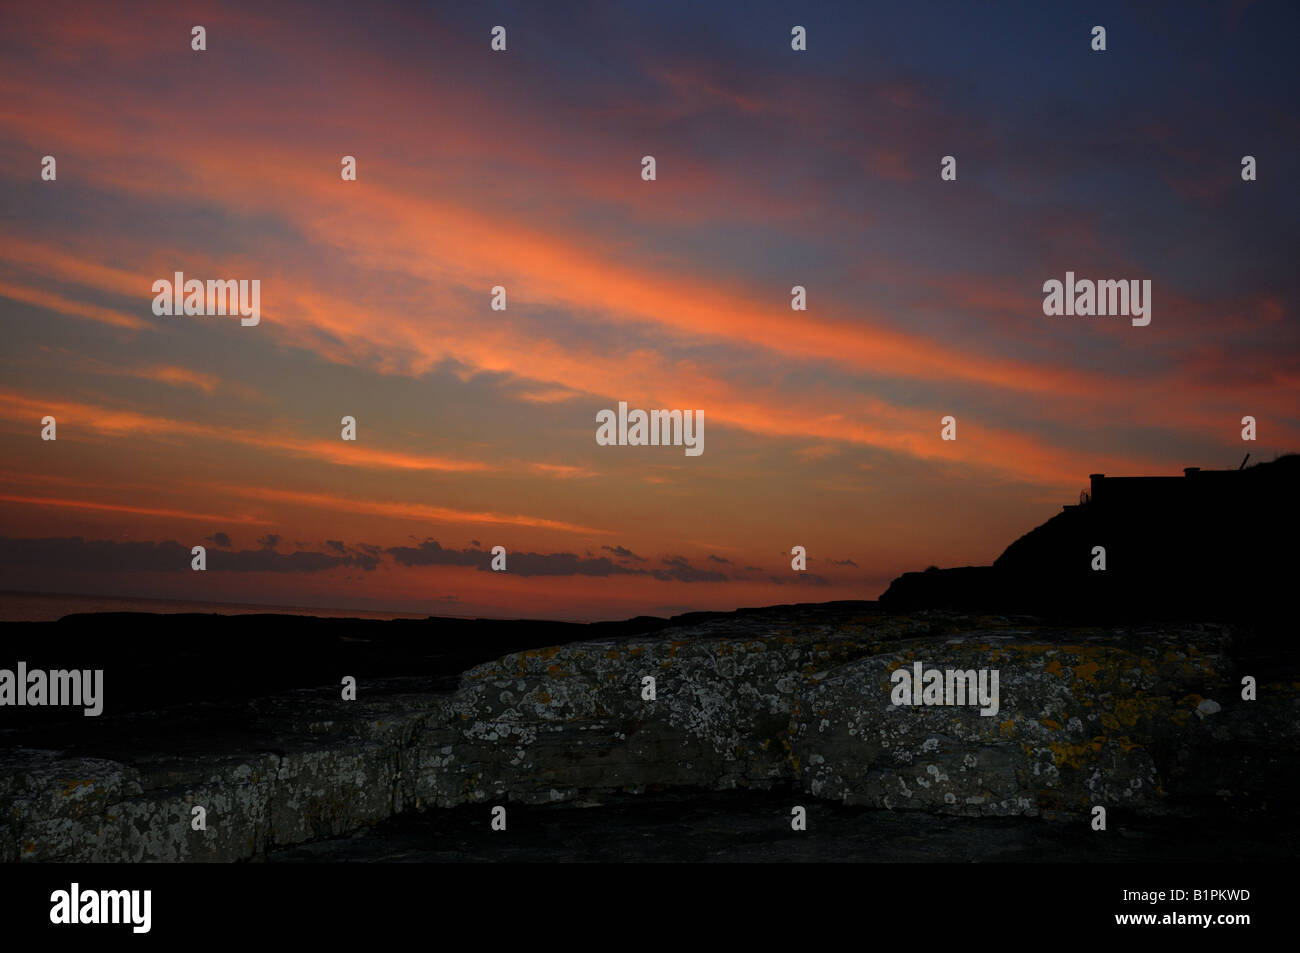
545 653
794 758
1126 712
1073 756
1087 672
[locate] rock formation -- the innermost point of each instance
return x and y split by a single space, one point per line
1141 719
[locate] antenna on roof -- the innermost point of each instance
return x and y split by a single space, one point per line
1243 462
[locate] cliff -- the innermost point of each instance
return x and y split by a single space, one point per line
1211 544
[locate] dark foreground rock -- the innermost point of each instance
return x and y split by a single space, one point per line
1148 722
745 826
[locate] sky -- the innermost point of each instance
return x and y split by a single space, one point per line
522 169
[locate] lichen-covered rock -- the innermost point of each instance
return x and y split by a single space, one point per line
568 721
337 769
1079 722
1136 720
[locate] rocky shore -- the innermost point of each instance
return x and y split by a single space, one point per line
1149 722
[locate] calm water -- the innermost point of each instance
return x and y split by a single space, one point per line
49 607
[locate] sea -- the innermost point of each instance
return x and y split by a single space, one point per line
50 607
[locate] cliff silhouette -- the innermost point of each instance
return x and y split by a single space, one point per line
1210 545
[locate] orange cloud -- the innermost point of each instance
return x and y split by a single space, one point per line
77 418
53 301
124 508
179 376
404 511
446 245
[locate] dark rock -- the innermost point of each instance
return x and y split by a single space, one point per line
1208 545
1145 721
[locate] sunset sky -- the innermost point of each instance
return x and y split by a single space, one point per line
476 168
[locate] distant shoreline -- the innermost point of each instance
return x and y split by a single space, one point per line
17 606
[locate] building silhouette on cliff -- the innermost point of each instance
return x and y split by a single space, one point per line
1208 544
